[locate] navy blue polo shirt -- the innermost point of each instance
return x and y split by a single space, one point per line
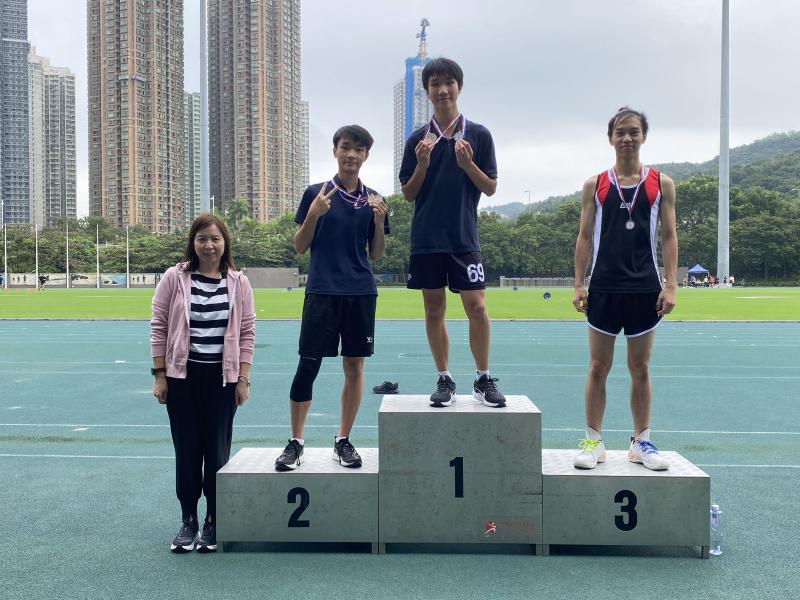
446 207
339 262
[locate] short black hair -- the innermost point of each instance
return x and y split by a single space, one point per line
444 67
624 113
358 134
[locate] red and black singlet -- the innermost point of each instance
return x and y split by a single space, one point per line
625 260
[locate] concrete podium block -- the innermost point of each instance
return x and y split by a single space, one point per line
621 503
466 473
321 501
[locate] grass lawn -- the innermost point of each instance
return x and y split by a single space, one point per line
740 304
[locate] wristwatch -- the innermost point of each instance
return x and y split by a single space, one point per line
154 371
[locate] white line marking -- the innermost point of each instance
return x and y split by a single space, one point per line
84 456
752 466
556 429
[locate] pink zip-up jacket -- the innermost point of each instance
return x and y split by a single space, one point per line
169 326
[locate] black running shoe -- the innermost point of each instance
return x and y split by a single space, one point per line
445 392
289 459
345 454
208 541
486 391
186 540
387 387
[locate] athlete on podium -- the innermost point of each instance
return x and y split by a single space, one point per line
338 220
447 165
620 213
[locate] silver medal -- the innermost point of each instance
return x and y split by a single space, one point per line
458 135
432 137
629 225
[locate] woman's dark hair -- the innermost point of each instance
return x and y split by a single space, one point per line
622 114
190 258
443 67
358 134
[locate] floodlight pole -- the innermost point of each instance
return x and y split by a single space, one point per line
5 244
723 242
68 282
529 199
97 254
127 259
36 246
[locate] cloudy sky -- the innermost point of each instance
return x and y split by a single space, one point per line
544 76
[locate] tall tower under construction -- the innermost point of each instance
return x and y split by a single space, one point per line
412 109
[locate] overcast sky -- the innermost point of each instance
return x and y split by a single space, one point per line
543 76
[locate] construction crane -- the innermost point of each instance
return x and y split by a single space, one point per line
423 37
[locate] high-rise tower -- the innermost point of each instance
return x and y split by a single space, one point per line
191 120
136 130
52 142
14 112
254 104
412 109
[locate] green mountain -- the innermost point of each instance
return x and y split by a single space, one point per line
772 163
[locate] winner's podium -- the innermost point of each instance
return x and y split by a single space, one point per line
620 503
319 502
466 473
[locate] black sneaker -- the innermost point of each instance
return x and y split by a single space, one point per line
186 540
486 391
387 387
208 541
445 392
345 454
289 459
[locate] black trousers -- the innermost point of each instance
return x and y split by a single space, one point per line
201 414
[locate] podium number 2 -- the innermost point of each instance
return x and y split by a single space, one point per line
294 520
627 501
458 464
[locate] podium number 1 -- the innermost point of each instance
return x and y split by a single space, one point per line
628 508
294 520
458 464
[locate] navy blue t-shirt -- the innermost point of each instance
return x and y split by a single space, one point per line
339 262
446 207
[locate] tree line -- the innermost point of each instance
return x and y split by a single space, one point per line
764 239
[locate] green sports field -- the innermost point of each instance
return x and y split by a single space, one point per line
739 304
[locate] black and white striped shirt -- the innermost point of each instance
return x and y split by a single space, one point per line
208 318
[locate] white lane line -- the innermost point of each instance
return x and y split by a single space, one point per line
581 375
85 456
555 429
124 457
751 466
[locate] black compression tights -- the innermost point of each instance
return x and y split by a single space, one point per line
303 383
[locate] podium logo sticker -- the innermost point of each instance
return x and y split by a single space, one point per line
489 529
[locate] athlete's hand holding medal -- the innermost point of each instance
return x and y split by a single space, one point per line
463 153
379 208
322 203
424 149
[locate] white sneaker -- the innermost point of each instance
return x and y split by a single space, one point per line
642 451
593 451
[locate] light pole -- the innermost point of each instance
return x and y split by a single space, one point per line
529 200
5 244
127 259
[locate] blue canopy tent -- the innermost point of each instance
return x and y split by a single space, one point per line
699 271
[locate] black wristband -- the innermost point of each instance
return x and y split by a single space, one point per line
155 371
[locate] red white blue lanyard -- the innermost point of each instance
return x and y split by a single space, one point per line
615 181
457 135
358 201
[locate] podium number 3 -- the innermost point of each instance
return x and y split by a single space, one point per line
294 520
627 501
458 464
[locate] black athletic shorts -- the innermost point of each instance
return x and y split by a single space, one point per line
328 318
462 271
635 313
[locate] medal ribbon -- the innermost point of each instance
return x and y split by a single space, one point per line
615 181
358 201
441 132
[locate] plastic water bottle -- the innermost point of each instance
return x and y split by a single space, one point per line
715 547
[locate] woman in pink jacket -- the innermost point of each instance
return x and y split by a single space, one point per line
202 335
